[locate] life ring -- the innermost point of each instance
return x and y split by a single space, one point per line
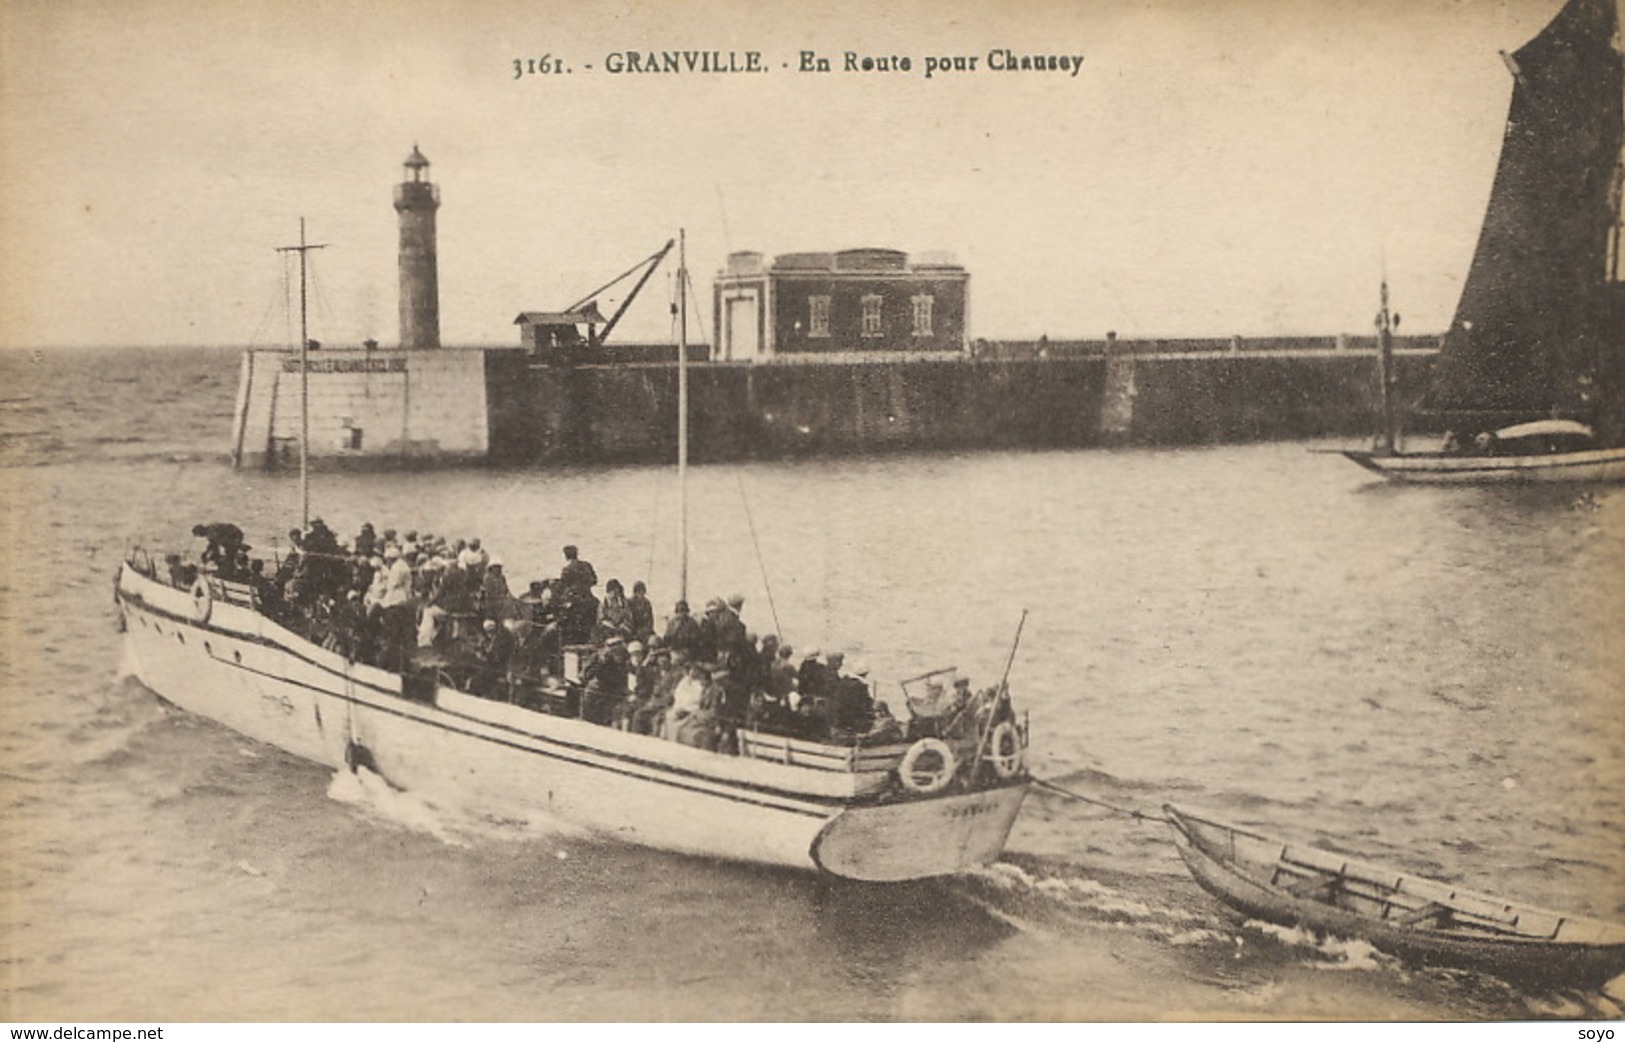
141 561
1004 752
925 778
202 599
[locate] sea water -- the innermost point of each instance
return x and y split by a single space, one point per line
1424 677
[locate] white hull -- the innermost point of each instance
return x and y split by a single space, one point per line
1591 466
230 663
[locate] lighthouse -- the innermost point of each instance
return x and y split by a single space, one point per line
416 200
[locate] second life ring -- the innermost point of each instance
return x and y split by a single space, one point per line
1004 752
202 599
927 767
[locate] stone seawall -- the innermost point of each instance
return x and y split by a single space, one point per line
505 405
364 406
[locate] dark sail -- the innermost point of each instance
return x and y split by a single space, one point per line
1539 330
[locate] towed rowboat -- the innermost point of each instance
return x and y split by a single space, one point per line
1421 920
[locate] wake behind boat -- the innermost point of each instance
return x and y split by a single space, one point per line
1531 375
1421 920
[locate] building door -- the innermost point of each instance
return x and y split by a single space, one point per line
743 336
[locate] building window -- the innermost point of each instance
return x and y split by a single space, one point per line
922 314
871 316
818 316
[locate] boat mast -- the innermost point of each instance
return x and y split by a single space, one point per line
1616 197
1385 374
304 375
682 414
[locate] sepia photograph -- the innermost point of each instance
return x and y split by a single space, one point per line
1067 512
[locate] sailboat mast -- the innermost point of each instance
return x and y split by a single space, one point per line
304 375
1616 198
1385 374
682 414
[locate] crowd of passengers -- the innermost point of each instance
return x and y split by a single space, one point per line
413 603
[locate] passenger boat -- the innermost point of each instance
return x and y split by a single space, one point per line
941 803
1531 374
1421 920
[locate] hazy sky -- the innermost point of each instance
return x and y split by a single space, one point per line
1216 167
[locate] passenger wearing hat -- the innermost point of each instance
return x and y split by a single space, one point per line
643 612
689 693
397 609
492 650
812 677
734 645
682 631
729 697
606 676
666 670
614 614
365 541
225 550
475 559
709 643
851 704
781 674
697 726
495 600
814 681
397 580
577 574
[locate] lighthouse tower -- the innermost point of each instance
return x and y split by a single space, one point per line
416 200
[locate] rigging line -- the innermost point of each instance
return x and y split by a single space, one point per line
654 532
760 563
1138 815
722 208
699 317
265 319
287 297
322 308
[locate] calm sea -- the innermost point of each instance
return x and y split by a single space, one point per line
1425 677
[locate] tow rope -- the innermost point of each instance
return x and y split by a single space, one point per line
1138 815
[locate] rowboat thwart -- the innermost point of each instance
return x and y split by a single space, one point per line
1420 920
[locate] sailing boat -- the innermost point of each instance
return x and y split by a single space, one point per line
936 798
1531 376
